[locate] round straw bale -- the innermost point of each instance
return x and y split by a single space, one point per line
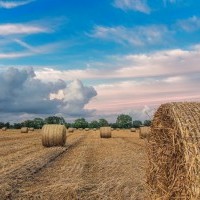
94 129
24 130
53 135
112 129
105 132
80 129
31 129
4 129
70 130
87 129
133 130
117 129
144 132
174 152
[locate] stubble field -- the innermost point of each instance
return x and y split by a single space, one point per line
87 168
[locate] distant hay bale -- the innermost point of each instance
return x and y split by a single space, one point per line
112 129
117 129
31 129
94 129
87 129
133 130
105 132
4 129
80 129
53 135
144 132
174 152
24 130
70 130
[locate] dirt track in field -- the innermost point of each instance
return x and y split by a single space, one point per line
87 168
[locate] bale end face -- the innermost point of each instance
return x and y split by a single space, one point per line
4 129
53 135
133 130
105 132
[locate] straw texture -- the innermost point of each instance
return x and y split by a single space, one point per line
105 132
174 152
53 135
24 130
144 132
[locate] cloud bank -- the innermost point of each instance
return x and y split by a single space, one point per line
13 4
22 92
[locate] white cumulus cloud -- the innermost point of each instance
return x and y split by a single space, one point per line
136 5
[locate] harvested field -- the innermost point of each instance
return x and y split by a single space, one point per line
87 167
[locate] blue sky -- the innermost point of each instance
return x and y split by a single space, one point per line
110 45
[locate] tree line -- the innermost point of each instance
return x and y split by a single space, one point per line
122 121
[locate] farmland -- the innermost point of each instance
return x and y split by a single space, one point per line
87 167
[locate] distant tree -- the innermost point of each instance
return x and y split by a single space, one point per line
17 125
94 124
124 121
137 124
114 125
38 123
103 122
147 123
1 124
80 123
54 120
68 125
7 124
28 123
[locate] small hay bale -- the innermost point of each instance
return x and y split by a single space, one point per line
87 129
4 129
133 130
174 152
24 130
112 129
144 132
94 129
105 132
117 129
80 129
70 130
53 135
31 129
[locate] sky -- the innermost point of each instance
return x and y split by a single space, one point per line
97 59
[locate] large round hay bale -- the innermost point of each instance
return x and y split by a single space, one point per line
31 129
174 152
24 130
133 130
87 129
105 132
94 129
53 135
118 129
4 129
70 130
144 132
